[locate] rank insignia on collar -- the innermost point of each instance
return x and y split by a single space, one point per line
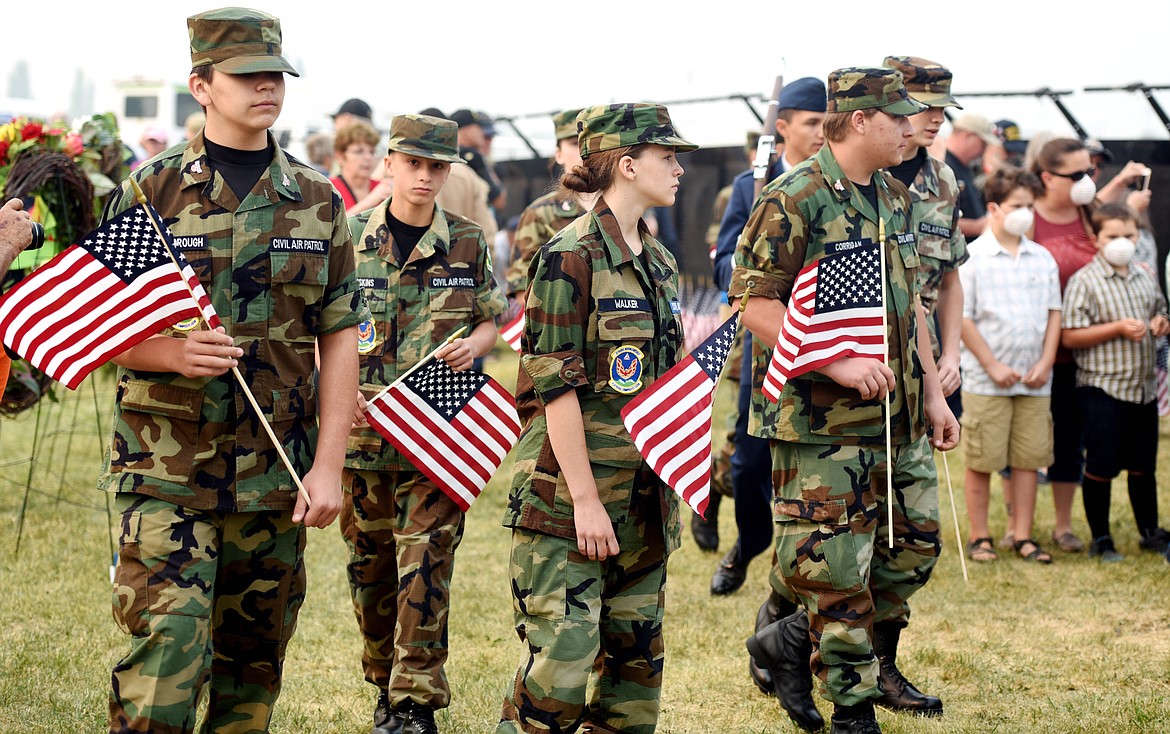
285 180
625 369
839 186
197 167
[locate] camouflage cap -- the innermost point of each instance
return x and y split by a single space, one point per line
609 126
566 123
926 81
237 41
425 137
864 88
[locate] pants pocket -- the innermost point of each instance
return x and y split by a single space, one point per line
130 604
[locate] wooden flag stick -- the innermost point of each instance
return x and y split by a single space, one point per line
886 350
955 513
454 335
235 370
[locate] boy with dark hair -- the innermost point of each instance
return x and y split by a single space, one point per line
1114 313
1011 328
210 573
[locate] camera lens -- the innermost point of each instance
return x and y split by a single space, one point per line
38 236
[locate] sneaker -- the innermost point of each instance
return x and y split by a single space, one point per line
1158 541
1103 548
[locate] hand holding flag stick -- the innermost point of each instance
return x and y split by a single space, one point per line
212 322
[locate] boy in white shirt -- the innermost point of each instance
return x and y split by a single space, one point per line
1011 330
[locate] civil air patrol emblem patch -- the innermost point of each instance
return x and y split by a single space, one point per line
367 337
187 324
625 369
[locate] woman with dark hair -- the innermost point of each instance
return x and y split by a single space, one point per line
592 524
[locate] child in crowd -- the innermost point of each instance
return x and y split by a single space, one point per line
1114 313
1011 329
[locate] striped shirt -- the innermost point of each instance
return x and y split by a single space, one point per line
1009 299
1098 294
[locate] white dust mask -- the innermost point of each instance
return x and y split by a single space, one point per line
1118 252
1083 192
1017 222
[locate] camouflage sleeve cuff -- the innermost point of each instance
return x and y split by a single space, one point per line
343 313
554 374
776 287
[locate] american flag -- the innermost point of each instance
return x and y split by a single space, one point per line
1162 371
835 311
513 330
670 421
98 298
455 427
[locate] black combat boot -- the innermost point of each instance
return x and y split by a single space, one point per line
855 719
898 694
417 718
385 720
706 532
774 608
783 649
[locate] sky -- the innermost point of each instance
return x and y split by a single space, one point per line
523 58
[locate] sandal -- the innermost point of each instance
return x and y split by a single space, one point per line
981 550
1038 554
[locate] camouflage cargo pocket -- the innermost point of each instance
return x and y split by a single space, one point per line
156 432
538 567
840 411
129 588
298 286
815 546
614 463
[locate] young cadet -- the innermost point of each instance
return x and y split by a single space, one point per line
592 524
210 572
828 438
426 274
551 212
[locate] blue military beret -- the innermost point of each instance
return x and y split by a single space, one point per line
807 93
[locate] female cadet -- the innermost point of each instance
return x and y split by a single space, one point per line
591 522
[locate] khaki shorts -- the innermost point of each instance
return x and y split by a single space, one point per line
1006 431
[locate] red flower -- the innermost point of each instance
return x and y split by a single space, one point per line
31 131
4 152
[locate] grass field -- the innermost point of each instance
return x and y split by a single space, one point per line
1073 647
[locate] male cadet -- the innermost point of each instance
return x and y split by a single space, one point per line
827 431
210 572
942 248
426 273
800 114
549 213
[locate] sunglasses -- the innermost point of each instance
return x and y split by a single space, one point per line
1077 175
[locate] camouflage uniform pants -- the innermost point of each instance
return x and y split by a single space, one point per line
402 532
204 595
832 548
592 630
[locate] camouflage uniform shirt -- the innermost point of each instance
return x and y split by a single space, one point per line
539 222
278 268
591 301
446 283
798 216
941 245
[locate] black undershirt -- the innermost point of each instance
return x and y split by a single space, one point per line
907 171
869 191
241 169
406 236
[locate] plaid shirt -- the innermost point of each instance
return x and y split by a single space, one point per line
1008 299
1098 294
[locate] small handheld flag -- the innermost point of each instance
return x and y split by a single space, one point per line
670 421
455 427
